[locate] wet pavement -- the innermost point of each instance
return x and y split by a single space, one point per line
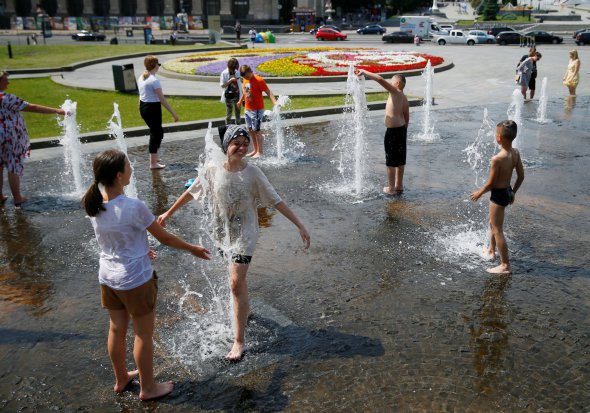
390 309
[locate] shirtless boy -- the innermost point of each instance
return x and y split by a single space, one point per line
397 118
502 194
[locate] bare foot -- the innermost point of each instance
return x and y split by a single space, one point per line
3 199
251 154
18 202
258 155
388 191
120 387
399 190
157 166
236 353
500 269
488 254
160 390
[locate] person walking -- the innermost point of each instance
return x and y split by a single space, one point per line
571 78
238 29
14 138
151 100
231 84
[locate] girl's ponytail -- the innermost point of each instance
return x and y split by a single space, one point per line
150 62
92 200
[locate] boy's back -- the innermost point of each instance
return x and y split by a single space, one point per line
504 163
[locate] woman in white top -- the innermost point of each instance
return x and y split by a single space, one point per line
151 100
236 189
231 84
127 280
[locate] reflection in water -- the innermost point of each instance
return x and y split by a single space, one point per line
160 202
265 217
490 338
569 103
22 278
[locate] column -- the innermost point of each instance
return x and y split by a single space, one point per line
88 8
168 8
114 10
141 8
225 9
10 9
62 7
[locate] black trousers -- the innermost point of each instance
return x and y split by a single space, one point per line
151 113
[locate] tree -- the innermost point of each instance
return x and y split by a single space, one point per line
490 9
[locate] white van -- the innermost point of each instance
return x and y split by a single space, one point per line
422 26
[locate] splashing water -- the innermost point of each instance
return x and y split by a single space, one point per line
482 149
205 334
70 139
427 133
286 147
351 140
542 109
116 131
514 113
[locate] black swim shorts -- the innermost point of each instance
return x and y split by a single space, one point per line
395 146
237 258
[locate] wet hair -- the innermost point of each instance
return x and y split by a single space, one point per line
507 129
574 54
245 69
233 64
401 78
105 166
150 62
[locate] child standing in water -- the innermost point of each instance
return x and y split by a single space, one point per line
236 187
128 283
502 194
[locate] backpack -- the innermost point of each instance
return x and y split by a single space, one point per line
231 92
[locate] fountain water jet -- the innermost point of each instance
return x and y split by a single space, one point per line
514 113
427 133
116 130
286 146
542 109
71 142
351 140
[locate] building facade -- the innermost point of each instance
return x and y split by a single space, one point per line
247 11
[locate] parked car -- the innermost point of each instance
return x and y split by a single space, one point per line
326 26
544 37
329 34
481 37
372 29
583 38
495 31
398 37
505 38
454 37
88 36
577 32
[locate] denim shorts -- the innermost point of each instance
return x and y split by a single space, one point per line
254 119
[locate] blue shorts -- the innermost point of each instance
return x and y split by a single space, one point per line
254 119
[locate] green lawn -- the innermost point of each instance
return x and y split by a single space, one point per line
40 56
96 107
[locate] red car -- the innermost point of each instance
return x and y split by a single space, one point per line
329 34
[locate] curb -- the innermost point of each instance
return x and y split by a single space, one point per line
300 79
44 143
85 63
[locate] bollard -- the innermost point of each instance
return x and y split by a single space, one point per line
9 51
28 41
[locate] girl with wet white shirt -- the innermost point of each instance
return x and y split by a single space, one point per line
128 283
236 188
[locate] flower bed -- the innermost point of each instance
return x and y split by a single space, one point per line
289 62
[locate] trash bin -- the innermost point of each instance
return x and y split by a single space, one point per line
147 35
124 77
129 32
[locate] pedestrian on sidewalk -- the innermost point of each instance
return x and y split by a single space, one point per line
238 29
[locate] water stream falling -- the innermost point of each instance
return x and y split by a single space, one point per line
514 113
116 131
427 133
351 140
70 140
542 109
286 147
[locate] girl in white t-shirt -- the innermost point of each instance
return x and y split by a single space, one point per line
236 190
151 100
127 280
